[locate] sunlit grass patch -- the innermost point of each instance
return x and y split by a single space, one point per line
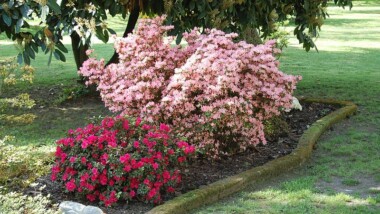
295 201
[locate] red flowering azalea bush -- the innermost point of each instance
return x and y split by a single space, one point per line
120 159
217 92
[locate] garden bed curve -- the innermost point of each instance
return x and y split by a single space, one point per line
227 186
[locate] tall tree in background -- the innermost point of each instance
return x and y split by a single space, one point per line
82 19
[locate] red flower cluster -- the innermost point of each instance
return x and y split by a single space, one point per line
121 159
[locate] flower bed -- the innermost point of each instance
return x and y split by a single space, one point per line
121 159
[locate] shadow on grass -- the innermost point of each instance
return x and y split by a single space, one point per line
297 196
53 122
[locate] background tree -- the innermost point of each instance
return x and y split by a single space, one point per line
81 19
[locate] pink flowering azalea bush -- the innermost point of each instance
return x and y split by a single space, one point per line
215 91
120 159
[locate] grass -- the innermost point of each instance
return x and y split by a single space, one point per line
345 168
340 178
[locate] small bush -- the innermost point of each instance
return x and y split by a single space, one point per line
121 159
216 92
17 203
276 127
11 75
22 165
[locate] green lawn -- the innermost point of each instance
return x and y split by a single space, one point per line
344 173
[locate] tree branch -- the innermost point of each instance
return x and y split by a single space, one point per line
132 20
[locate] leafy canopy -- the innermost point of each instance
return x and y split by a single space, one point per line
87 18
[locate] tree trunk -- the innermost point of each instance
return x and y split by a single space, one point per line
251 35
132 20
79 49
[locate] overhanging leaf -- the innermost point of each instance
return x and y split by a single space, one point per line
99 33
106 36
178 39
61 47
11 3
50 56
30 52
111 31
54 6
19 59
60 55
19 24
24 10
34 46
7 19
26 58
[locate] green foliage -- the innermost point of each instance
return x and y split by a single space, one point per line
7 73
87 18
20 101
10 75
13 20
243 15
20 165
281 35
17 119
17 203
72 93
275 127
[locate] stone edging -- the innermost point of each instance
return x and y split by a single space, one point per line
225 187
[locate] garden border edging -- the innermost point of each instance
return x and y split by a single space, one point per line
227 186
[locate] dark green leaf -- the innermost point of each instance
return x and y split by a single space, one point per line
99 34
8 33
24 10
46 50
61 55
192 5
43 47
111 31
34 46
11 3
19 59
54 6
50 56
26 58
107 4
30 52
7 20
26 24
202 14
178 39
88 40
106 36
61 47
113 9
19 24
16 14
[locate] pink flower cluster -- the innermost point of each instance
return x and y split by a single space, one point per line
147 63
120 159
215 91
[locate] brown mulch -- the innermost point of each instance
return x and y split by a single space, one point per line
202 172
